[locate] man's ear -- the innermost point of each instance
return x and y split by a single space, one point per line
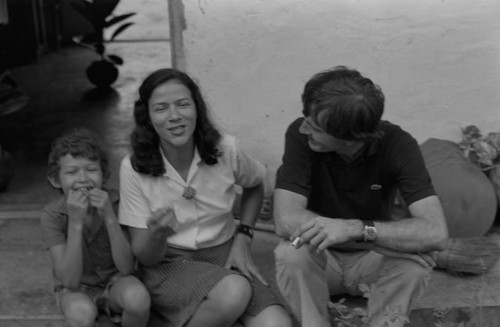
54 182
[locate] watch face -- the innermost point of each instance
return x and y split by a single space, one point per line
370 233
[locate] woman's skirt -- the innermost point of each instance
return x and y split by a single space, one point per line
182 281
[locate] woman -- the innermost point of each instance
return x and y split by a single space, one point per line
177 193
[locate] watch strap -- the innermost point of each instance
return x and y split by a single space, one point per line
245 229
368 223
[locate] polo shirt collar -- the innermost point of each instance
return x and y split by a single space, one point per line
371 148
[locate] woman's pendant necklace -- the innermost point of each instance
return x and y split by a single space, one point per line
189 193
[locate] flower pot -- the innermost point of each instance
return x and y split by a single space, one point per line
102 73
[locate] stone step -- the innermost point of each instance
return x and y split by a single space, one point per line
27 299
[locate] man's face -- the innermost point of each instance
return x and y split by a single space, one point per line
318 139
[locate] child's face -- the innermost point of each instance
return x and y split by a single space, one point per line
78 173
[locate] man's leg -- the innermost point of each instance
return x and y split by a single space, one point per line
303 278
396 283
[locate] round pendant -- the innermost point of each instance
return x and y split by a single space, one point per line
189 193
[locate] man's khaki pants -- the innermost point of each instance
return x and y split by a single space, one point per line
307 280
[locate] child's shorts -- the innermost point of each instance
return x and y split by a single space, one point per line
98 295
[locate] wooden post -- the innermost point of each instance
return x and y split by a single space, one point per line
177 24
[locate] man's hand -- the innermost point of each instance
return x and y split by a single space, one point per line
321 232
77 205
163 222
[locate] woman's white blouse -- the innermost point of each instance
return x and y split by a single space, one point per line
207 219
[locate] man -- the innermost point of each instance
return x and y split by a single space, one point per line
335 189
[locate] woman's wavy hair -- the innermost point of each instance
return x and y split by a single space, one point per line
146 157
344 104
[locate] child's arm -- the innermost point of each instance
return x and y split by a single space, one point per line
120 246
67 258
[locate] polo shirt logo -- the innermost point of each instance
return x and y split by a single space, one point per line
375 187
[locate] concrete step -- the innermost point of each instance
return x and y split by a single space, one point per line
27 299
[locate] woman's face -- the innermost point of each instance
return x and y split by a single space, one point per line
173 114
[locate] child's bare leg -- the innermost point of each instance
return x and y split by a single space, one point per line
78 309
225 303
131 298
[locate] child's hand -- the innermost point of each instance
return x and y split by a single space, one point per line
77 205
163 222
99 199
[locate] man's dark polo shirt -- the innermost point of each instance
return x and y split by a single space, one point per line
362 189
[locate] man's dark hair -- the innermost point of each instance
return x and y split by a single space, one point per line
344 104
146 157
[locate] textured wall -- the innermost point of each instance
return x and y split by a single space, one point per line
438 62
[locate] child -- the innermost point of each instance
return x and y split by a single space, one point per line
91 256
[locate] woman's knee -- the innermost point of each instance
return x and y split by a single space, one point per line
233 292
79 311
272 316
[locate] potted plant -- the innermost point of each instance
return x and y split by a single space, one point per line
99 13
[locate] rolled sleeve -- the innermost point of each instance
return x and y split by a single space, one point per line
248 171
294 174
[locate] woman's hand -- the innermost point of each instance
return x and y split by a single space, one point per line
240 257
163 222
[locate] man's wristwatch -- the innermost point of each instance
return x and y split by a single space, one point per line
245 229
369 231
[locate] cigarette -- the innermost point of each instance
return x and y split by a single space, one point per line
295 242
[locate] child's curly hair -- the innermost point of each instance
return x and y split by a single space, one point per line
79 142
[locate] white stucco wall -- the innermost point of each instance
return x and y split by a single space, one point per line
438 62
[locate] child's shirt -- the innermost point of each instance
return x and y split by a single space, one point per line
98 264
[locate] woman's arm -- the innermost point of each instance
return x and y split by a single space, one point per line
149 244
240 255
148 247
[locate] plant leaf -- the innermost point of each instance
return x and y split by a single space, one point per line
99 48
120 29
117 19
78 40
104 8
116 59
87 10
91 39
83 7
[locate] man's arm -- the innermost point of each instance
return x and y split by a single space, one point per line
289 212
425 231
